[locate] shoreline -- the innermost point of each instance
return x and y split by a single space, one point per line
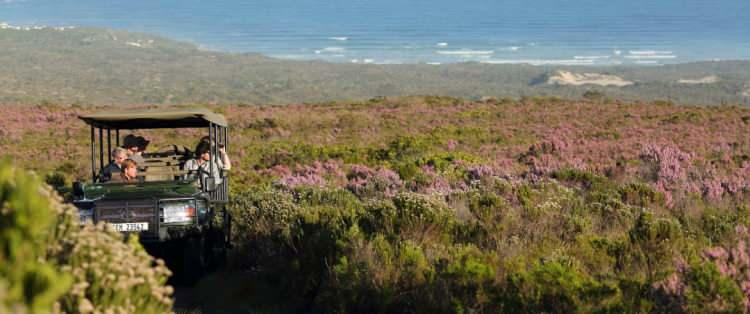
128 68
336 53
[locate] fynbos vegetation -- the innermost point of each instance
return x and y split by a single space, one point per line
49 263
432 204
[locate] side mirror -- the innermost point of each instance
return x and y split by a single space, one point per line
78 189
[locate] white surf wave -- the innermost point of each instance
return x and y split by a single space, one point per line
642 57
649 52
511 48
441 44
342 38
336 50
590 57
465 52
541 61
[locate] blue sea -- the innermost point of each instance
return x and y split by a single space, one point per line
586 32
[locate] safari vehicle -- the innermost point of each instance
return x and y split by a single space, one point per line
170 209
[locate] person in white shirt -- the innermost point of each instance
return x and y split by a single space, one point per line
223 161
202 162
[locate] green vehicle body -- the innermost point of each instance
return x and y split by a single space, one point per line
188 212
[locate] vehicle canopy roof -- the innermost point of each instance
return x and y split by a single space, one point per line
195 117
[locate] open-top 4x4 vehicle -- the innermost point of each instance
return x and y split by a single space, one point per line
178 215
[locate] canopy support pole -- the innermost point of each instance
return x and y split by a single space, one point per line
93 153
109 145
101 148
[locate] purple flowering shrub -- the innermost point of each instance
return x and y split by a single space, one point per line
364 181
719 282
547 193
668 169
318 174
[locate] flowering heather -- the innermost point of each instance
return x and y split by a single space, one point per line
670 169
686 150
312 175
364 180
541 200
433 182
683 288
480 172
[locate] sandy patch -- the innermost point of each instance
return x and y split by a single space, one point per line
568 78
705 80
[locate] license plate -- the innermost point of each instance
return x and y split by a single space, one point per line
131 226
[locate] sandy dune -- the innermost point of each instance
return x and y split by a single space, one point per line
569 78
705 80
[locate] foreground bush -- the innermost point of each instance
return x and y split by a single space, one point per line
48 262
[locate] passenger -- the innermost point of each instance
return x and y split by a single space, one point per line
202 162
142 145
118 156
224 162
131 143
129 173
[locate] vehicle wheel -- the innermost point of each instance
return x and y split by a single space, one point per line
215 249
193 260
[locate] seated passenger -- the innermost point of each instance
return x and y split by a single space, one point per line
224 162
131 144
142 145
202 161
129 172
118 156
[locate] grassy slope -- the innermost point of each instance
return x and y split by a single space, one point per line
94 66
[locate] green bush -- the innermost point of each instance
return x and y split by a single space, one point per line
266 221
556 287
46 257
710 292
28 283
419 216
641 195
652 244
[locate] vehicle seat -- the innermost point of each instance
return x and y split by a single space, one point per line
164 166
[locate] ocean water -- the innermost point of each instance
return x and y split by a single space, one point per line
586 32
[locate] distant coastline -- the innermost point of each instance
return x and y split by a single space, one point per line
77 65
342 47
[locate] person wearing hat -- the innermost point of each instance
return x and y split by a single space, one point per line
223 159
131 143
142 144
202 165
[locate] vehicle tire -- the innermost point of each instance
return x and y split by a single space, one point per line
194 261
215 250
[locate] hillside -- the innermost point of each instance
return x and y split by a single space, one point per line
97 66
